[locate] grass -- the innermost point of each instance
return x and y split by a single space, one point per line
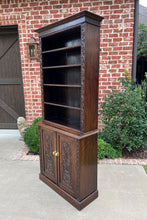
145 168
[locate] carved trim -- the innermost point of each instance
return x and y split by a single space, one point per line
78 169
49 160
82 74
40 149
66 165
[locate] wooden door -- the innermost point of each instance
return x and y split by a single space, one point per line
50 161
68 164
11 86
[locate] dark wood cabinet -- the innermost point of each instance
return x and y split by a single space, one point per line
69 51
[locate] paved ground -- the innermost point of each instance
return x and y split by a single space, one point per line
122 190
22 154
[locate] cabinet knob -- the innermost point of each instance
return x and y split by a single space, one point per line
56 154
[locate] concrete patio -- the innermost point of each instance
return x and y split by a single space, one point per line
122 190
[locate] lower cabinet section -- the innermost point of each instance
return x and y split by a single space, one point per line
68 164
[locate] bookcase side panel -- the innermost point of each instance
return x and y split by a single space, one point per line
41 77
88 166
91 77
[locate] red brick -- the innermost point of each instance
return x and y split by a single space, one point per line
82 0
107 40
67 6
113 53
38 8
44 12
53 11
104 7
117 39
125 16
73 1
118 11
9 10
23 5
118 21
107 2
113 35
113 26
57 16
53 2
64 1
115 16
44 3
57 6
118 2
128 20
4 6
114 7
97 3
34 12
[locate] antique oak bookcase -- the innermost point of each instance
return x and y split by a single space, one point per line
69 51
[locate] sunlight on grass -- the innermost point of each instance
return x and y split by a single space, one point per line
145 168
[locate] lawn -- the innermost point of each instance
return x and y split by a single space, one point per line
145 168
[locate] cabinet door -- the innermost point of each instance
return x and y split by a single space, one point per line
68 164
50 161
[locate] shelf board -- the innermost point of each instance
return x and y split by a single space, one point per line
61 66
64 106
61 49
62 85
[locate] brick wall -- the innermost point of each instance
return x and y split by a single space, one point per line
116 39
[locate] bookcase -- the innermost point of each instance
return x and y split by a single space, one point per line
69 60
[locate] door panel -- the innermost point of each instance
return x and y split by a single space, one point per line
50 161
11 87
68 148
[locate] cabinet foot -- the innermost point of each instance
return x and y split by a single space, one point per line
79 205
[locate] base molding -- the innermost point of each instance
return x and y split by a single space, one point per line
79 205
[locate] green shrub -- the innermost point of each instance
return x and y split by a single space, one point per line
123 114
105 150
145 168
31 136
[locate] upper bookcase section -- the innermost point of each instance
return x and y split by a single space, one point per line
74 20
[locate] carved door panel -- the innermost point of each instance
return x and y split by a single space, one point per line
68 164
50 161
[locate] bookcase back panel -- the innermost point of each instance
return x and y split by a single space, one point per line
65 39
68 76
66 57
61 115
63 96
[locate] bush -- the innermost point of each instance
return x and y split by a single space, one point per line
31 136
141 42
106 150
124 116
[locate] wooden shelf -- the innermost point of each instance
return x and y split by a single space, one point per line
62 85
61 49
61 66
64 106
